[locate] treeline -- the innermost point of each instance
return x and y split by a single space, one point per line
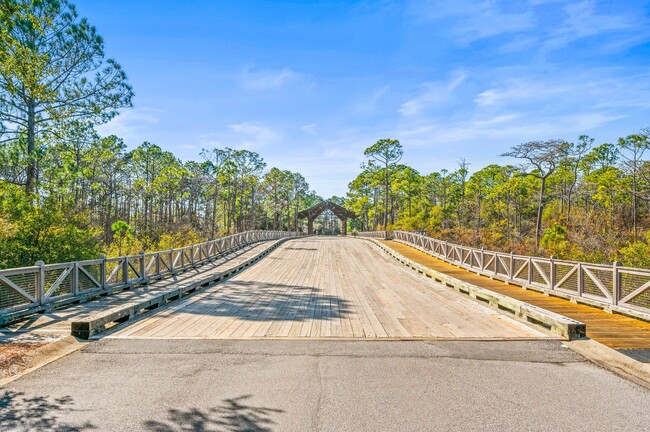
577 200
67 193
96 197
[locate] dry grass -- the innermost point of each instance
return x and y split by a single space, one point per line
13 356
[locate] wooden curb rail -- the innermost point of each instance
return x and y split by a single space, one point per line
560 325
97 322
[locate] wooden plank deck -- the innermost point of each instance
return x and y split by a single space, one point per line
615 331
57 322
325 288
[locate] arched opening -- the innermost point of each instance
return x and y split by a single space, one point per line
327 222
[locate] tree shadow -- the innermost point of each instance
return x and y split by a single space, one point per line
232 415
300 249
38 413
261 301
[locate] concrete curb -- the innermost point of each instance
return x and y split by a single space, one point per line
557 324
46 355
96 323
613 361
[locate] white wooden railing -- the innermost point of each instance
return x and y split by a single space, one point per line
622 288
29 289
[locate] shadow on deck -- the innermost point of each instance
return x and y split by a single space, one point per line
256 301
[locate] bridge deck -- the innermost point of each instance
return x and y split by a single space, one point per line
327 288
616 331
56 324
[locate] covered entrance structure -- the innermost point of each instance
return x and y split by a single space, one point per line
341 212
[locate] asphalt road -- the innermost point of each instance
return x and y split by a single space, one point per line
229 385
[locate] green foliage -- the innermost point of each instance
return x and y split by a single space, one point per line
82 193
585 201
554 241
48 232
636 254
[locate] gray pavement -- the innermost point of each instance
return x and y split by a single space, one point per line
230 385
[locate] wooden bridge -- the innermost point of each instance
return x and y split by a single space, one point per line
367 325
275 286
328 287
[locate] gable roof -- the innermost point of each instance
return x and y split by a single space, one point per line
315 211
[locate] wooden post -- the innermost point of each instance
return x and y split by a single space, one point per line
511 270
40 282
310 225
553 272
344 226
75 279
143 267
616 281
102 271
125 270
581 281
482 257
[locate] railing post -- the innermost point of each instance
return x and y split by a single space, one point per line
171 260
616 282
125 270
553 272
192 255
75 279
143 266
482 258
511 264
581 282
102 271
40 282
530 270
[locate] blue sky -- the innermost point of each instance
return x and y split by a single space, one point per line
309 85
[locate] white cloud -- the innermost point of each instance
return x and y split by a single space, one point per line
474 19
527 24
267 80
583 21
132 124
514 128
247 135
370 104
518 90
310 129
597 88
432 94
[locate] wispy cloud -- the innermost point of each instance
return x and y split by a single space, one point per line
512 128
582 20
474 19
247 135
432 94
267 80
598 88
371 103
132 124
527 23
310 129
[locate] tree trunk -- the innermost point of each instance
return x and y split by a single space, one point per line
540 210
30 182
386 197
